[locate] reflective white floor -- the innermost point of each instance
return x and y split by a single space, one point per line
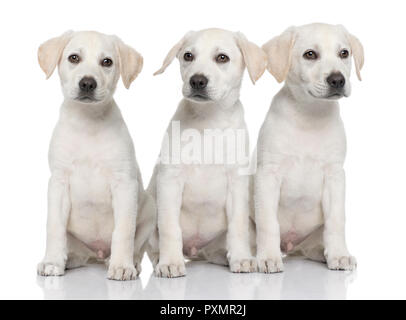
302 279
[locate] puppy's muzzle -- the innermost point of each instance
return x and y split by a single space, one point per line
198 83
336 82
87 87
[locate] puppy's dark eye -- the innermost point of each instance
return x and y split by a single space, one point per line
344 54
310 55
188 56
74 58
107 62
222 58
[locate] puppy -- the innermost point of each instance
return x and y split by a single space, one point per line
95 190
300 182
203 210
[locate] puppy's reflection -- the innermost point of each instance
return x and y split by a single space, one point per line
89 283
302 279
305 279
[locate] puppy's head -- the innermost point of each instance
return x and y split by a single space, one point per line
212 64
315 60
90 64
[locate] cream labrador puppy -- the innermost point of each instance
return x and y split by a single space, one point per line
203 210
96 200
300 181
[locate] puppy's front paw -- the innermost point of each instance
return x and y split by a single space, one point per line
270 265
174 270
344 263
49 269
137 265
122 273
243 265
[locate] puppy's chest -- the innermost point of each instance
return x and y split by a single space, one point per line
205 186
303 162
75 151
300 200
302 183
90 162
90 177
203 213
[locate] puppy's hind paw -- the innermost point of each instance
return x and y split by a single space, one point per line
343 263
271 265
170 270
122 273
49 269
243 265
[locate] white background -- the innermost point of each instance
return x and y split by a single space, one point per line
374 117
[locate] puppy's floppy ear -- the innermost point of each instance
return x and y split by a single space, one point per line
50 52
173 53
357 51
254 57
131 62
358 54
279 52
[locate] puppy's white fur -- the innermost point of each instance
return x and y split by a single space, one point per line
203 209
96 197
300 181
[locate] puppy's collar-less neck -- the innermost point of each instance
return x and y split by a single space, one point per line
210 108
226 104
305 114
90 118
308 106
89 110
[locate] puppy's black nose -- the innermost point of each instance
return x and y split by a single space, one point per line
198 82
87 84
336 80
